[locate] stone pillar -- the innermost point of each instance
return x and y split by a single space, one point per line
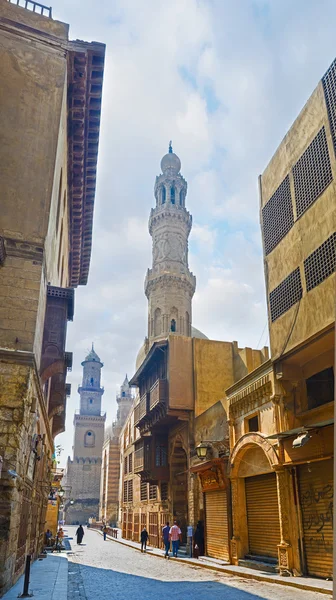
285 553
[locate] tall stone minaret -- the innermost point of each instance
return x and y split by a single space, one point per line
84 470
169 285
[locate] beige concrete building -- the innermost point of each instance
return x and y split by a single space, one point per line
50 98
281 414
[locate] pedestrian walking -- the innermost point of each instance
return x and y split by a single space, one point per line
105 532
80 534
175 536
166 539
199 538
143 538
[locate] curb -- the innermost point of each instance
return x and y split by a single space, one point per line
227 570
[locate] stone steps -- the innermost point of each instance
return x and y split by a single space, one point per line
259 563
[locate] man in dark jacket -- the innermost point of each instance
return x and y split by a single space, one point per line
166 539
143 539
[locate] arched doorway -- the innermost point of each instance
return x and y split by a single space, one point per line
179 478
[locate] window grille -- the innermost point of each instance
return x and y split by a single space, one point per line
329 87
312 173
130 463
125 491
287 293
125 465
143 491
321 263
130 491
164 490
152 492
277 216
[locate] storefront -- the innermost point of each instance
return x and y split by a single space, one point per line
215 488
262 515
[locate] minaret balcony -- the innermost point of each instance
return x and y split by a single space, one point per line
90 388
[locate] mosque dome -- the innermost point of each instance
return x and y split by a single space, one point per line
196 333
170 164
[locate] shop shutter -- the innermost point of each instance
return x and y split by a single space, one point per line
262 515
217 527
316 499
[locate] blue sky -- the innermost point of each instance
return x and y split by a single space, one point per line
224 80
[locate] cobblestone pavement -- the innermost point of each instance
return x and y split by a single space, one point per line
111 571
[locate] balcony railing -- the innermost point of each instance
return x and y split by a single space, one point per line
136 414
139 460
158 393
143 406
41 9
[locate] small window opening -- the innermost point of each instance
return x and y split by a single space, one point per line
92 381
320 388
173 325
253 423
181 197
91 401
163 194
172 194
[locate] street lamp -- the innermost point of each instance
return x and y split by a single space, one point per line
202 450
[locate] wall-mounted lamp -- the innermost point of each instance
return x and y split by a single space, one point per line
61 492
301 439
202 450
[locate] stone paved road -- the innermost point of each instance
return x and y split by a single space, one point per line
109 571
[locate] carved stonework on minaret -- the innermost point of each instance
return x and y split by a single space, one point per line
169 284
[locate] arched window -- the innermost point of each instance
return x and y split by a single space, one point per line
172 194
90 401
163 195
181 197
89 439
92 381
157 322
173 325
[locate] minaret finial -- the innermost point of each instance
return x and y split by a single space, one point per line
170 147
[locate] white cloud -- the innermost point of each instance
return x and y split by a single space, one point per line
223 80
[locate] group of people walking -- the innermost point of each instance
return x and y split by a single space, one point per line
169 534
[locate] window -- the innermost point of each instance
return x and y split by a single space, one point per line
130 461
152 492
286 294
160 456
277 216
321 263
329 87
164 490
125 491
125 465
253 424
173 325
181 197
172 194
312 173
130 491
143 491
92 381
89 439
320 388
163 194
90 401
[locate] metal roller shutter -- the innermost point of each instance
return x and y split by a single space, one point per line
316 499
217 528
262 515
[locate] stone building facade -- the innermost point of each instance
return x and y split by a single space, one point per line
281 414
47 197
180 376
83 472
110 473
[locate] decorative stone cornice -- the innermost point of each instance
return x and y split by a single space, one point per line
23 249
174 212
180 282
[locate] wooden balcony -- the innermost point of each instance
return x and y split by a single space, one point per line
151 460
136 414
143 406
158 393
142 457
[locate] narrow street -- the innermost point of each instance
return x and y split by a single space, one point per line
111 571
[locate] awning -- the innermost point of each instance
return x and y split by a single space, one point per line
292 432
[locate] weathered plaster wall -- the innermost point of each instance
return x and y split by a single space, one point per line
180 372
316 310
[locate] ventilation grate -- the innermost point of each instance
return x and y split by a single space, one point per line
329 87
312 173
287 293
321 263
277 216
